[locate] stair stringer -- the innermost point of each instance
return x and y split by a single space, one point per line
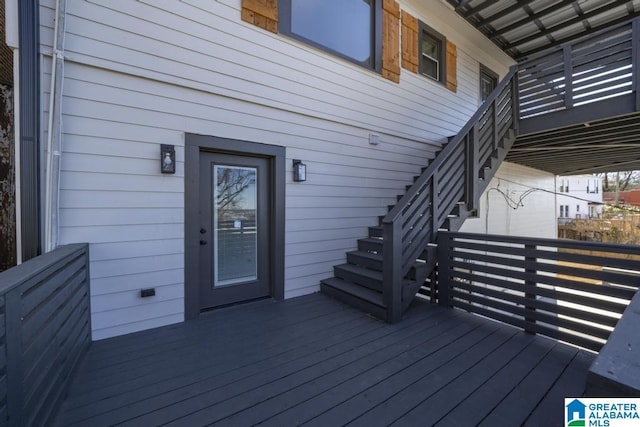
393 263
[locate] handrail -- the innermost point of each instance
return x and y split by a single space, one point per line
451 178
592 68
449 148
576 73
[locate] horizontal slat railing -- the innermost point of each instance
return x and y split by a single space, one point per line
451 178
45 328
593 68
569 290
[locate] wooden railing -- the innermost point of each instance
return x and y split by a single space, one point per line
602 65
453 177
44 331
599 66
572 291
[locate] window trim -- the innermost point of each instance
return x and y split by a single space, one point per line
375 61
442 61
489 73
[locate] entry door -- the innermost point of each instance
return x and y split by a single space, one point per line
234 233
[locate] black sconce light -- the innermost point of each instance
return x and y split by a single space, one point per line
299 171
167 158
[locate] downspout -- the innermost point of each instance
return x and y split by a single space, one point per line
12 39
17 170
54 131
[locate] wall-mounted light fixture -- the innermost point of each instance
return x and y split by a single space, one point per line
167 158
299 171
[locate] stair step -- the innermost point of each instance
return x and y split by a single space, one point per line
484 172
355 295
375 232
365 259
359 275
370 245
453 223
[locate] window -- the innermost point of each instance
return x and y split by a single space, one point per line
561 211
592 186
432 45
348 28
488 82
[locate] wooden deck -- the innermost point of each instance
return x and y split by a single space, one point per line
314 361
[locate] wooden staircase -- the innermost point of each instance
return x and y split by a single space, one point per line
398 257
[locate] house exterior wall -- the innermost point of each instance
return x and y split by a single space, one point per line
629 198
579 196
143 73
519 201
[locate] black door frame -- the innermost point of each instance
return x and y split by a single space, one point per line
194 144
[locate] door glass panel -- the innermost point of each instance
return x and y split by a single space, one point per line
234 221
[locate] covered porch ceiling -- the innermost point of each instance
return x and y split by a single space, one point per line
526 29
608 145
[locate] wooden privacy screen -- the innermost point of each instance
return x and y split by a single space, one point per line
572 291
45 328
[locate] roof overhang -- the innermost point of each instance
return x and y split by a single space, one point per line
524 27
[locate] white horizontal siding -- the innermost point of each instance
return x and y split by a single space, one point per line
142 73
204 43
534 217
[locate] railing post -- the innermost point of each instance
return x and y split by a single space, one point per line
472 168
568 77
530 285
392 269
635 61
435 203
515 101
494 130
444 266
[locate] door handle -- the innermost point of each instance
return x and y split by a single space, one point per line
203 242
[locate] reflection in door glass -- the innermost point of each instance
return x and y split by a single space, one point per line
234 222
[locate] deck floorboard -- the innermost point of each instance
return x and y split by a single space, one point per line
314 361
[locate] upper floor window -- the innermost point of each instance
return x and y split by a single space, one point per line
488 82
432 47
347 28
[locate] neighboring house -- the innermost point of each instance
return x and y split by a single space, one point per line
627 198
290 130
579 196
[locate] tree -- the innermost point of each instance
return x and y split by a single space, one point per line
231 183
625 180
